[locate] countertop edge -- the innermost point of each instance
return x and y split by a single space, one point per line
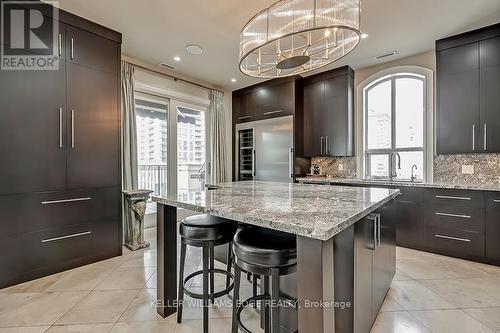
376 183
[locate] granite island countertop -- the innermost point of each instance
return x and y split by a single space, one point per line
354 181
313 211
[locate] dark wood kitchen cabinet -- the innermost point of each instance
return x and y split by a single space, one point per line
410 217
329 113
60 190
375 264
492 222
467 92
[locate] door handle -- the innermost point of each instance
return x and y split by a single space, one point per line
52 202
253 163
60 127
473 137
66 236
290 162
485 136
326 146
59 45
321 143
378 231
72 48
72 128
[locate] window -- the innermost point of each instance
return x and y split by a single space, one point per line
394 123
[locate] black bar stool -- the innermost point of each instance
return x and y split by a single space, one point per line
205 231
269 254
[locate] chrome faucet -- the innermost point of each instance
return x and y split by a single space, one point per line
393 172
413 175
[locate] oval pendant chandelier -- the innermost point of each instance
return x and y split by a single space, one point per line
296 36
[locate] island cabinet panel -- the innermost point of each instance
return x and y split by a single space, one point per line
409 217
467 92
60 190
493 227
329 113
375 264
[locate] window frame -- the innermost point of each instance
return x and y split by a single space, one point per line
392 77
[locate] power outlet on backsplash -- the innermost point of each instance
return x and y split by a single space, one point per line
468 169
341 167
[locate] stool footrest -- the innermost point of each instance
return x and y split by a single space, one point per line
210 296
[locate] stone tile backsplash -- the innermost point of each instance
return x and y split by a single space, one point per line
447 168
331 166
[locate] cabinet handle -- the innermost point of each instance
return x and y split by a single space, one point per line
245 117
65 200
72 48
272 112
72 128
59 45
485 129
253 163
326 146
378 230
453 198
290 162
473 137
60 127
453 238
321 142
453 215
67 236
496 201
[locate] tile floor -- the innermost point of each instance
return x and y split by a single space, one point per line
430 293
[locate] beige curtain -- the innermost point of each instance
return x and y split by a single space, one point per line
218 158
129 132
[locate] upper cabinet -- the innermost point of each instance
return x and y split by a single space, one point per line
468 82
270 99
329 113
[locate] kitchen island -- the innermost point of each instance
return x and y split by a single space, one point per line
345 242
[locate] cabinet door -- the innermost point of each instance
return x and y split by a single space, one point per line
384 257
314 94
490 96
32 141
93 128
493 226
275 101
458 100
364 245
409 218
337 117
90 50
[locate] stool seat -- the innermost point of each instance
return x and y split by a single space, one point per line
206 227
265 248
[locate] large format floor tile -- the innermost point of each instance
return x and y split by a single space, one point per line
167 326
411 295
36 309
33 329
463 293
455 321
100 307
398 322
89 328
488 316
142 308
127 278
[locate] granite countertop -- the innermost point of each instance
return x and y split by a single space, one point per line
354 181
313 211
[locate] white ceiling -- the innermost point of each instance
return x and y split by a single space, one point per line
157 30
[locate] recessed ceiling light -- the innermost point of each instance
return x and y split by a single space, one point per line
364 35
176 58
233 80
194 49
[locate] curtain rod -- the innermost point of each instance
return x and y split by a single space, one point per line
172 76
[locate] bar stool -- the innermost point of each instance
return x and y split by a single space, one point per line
205 231
267 253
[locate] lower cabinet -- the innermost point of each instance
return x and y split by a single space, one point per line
375 264
410 217
54 231
492 224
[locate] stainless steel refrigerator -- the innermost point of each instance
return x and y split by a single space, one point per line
264 150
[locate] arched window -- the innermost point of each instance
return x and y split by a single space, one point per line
395 126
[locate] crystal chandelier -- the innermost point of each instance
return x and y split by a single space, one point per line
297 36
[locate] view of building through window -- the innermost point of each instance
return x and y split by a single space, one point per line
190 149
394 125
